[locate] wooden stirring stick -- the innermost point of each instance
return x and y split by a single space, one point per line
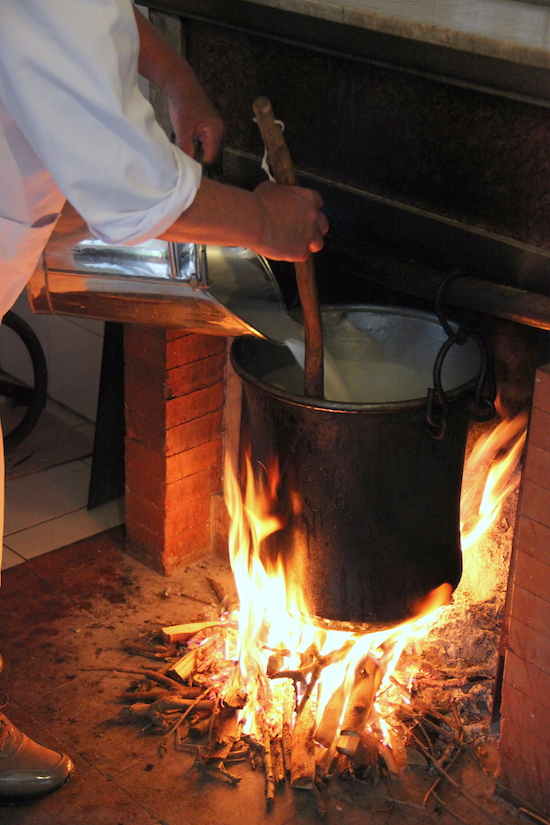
283 172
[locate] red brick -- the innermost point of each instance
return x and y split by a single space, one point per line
527 678
187 546
176 439
182 351
527 713
145 432
139 459
150 344
195 376
204 483
537 466
171 352
533 538
145 389
168 555
146 488
195 404
188 462
146 463
541 398
193 433
539 429
535 502
166 524
533 575
531 610
525 766
529 644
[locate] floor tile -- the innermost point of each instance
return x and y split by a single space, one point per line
35 498
64 414
50 443
10 559
58 532
87 798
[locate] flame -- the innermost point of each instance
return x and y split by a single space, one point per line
490 474
274 625
275 639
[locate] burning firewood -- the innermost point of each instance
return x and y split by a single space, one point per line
183 632
277 760
302 761
289 701
269 773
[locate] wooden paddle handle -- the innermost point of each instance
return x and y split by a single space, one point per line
283 172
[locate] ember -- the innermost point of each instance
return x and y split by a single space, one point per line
264 683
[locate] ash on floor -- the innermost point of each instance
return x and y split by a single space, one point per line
63 619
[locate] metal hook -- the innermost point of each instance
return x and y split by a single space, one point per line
485 403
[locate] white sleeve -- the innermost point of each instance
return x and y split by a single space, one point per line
68 76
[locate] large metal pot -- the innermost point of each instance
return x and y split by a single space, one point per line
370 500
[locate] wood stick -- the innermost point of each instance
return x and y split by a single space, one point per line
195 598
404 802
283 172
453 813
302 763
160 693
289 701
534 816
184 667
455 784
182 632
156 711
449 763
200 728
362 697
150 651
195 705
269 774
328 726
226 734
277 760
216 588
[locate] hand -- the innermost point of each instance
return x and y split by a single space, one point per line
194 118
291 221
192 114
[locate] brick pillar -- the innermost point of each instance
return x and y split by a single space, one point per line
174 396
524 774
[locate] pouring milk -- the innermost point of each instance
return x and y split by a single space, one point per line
354 375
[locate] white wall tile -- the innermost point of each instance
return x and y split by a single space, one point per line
35 498
74 360
58 532
73 350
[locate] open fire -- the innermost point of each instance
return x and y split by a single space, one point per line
312 702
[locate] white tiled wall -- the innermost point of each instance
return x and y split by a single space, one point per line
73 349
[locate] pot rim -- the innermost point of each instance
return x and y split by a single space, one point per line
453 394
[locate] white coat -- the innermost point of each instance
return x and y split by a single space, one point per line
74 125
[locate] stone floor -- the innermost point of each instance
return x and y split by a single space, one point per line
64 617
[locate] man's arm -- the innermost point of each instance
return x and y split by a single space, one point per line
281 222
191 112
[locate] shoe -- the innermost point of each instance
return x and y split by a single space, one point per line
28 770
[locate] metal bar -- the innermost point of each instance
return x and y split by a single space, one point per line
374 264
